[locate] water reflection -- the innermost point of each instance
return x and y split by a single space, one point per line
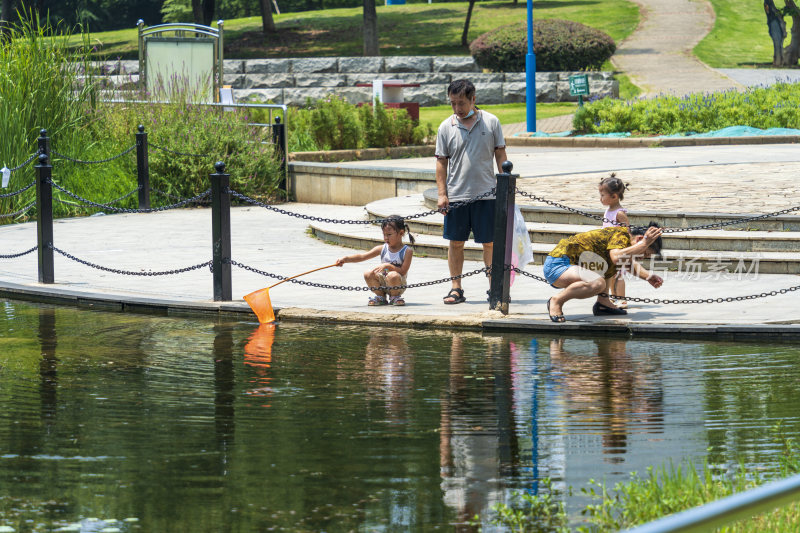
197 426
609 390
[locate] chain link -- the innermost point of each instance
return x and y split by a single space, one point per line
360 287
312 218
31 158
668 301
13 256
123 210
665 230
166 194
112 158
19 191
21 211
173 152
130 272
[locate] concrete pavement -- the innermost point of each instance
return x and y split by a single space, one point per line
279 244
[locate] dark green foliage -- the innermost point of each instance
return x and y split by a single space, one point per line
559 45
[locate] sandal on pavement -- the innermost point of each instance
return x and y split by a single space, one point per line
555 318
376 301
456 296
600 309
397 300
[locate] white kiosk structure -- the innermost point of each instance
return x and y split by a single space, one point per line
181 52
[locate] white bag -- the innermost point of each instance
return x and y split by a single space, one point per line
521 249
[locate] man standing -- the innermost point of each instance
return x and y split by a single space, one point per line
466 144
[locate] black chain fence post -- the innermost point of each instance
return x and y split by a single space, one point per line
143 168
279 140
503 235
221 232
44 210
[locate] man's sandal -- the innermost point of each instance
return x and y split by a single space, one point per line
456 296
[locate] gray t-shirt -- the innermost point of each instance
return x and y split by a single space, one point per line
470 154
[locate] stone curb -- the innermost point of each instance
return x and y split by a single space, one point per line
364 154
487 321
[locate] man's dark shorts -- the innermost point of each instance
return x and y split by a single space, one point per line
477 217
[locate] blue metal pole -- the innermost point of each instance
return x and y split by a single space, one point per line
530 74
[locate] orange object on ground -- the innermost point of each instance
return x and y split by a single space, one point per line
260 303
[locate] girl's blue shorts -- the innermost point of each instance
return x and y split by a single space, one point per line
554 267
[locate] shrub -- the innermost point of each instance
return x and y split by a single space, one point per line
335 124
559 45
777 106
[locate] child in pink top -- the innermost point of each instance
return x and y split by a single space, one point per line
612 190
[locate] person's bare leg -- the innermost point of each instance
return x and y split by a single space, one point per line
488 247
372 281
578 283
455 262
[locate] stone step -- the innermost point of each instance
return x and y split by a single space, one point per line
555 215
712 240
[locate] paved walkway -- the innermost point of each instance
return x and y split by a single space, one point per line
279 244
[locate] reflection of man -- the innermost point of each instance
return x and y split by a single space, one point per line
475 438
466 144
389 371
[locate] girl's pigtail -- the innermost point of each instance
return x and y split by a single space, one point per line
408 232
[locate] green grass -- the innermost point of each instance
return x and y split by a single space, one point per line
739 37
411 29
507 113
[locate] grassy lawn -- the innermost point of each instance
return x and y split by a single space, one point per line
507 113
411 29
739 38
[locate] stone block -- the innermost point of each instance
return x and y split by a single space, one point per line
548 92
488 93
298 96
427 95
480 77
233 66
320 80
123 66
274 96
267 66
408 64
360 64
309 65
237 81
455 64
354 95
514 92
266 81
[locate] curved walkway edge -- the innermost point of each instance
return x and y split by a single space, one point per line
493 322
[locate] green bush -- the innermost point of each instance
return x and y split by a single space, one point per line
559 45
777 106
335 124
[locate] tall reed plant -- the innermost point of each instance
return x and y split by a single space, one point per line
42 86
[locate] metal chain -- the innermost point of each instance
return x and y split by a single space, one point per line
112 158
253 201
111 201
123 210
21 211
173 152
168 195
13 256
360 287
31 158
19 191
665 230
130 272
683 301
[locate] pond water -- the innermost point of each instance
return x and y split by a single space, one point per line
139 423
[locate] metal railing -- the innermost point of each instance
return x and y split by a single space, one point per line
719 513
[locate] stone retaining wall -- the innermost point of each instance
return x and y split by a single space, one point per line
292 80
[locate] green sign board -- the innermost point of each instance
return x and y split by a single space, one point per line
579 85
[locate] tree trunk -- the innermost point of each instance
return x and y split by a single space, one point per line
466 24
777 31
197 11
5 15
267 22
792 52
208 12
370 29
